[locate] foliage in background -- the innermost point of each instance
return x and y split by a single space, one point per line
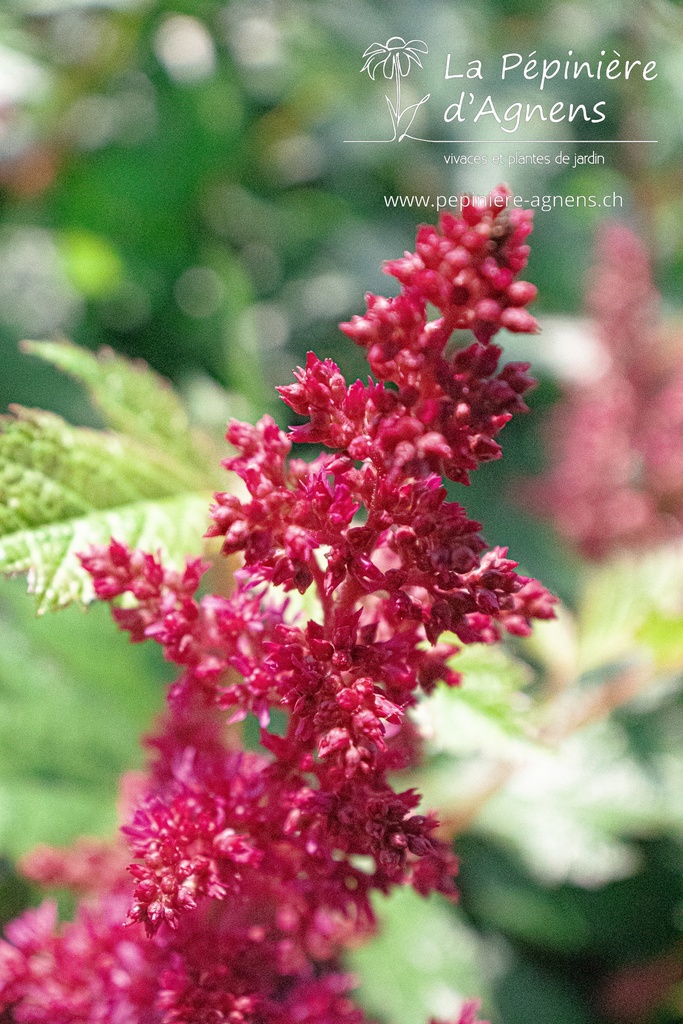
205 216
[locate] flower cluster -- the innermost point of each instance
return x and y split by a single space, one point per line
253 870
617 444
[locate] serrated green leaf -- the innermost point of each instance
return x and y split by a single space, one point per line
65 488
425 960
488 706
132 399
492 680
571 812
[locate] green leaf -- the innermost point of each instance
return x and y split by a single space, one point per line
425 960
65 488
74 697
620 598
133 400
571 813
488 706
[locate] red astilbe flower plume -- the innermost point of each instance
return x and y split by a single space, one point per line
616 444
253 870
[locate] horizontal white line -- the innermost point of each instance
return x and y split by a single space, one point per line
519 142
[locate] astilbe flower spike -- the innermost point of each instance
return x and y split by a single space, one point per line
616 444
252 871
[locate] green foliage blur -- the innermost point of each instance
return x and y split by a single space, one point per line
175 183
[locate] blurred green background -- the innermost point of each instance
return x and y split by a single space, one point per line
174 183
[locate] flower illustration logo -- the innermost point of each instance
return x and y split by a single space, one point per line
396 57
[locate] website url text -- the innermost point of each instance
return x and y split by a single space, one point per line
612 201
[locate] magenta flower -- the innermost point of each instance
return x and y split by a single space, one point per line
617 443
252 871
